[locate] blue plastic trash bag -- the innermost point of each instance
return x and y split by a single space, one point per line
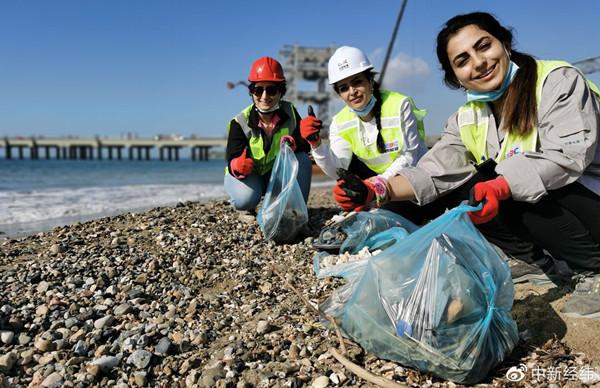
438 300
366 225
283 212
375 229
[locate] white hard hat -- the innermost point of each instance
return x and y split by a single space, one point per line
347 61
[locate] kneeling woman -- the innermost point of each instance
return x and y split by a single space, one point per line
255 135
374 136
525 143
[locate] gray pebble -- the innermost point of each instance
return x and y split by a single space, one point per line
263 327
70 322
104 322
163 346
80 348
54 380
140 358
105 363
122 309
7 336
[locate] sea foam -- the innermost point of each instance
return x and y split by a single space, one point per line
23 211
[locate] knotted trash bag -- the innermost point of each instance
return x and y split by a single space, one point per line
283 212
437 300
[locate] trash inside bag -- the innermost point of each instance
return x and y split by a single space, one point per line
283 212
357 236
437 300
350 233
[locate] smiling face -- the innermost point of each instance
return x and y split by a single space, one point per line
356 90
478 59
265 95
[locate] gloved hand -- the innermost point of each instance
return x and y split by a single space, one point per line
309 129
242 165
290 140
352 193
490 193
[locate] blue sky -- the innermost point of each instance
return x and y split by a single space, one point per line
108 67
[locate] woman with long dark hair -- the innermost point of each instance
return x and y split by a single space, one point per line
525 145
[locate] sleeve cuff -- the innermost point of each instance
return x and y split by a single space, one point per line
422 185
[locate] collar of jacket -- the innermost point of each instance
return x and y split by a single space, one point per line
253 118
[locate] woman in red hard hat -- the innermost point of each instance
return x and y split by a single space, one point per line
255 135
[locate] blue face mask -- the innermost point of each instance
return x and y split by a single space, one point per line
367 109
493 95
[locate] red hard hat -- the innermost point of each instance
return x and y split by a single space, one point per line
266 69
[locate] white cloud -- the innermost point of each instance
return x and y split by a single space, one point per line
403 73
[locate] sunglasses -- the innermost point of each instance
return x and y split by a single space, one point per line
355 83
258 90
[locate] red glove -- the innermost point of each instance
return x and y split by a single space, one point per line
490 193
290 140
242 165
309 129
352 193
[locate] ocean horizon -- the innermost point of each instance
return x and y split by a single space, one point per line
38 195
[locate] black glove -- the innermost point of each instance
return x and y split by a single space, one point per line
350 192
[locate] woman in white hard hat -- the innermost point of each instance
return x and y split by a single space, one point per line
255 135
525 144
374 136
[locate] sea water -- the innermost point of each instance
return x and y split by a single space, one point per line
37 195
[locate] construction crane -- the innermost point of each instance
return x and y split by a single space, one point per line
588 66
392 40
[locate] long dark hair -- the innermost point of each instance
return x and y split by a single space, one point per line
520 110
377 112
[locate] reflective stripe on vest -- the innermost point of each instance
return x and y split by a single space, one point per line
264 162
348 126
473 121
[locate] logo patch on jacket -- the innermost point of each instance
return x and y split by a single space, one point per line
391 146
513 151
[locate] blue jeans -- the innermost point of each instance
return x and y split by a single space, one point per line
245 194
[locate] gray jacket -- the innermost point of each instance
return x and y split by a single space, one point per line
569 122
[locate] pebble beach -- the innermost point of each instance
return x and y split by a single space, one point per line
190 296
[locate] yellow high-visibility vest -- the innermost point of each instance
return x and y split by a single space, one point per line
263 162
348 126
473 121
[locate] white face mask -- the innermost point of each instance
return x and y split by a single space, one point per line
271 109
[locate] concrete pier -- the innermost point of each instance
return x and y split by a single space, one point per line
87 149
